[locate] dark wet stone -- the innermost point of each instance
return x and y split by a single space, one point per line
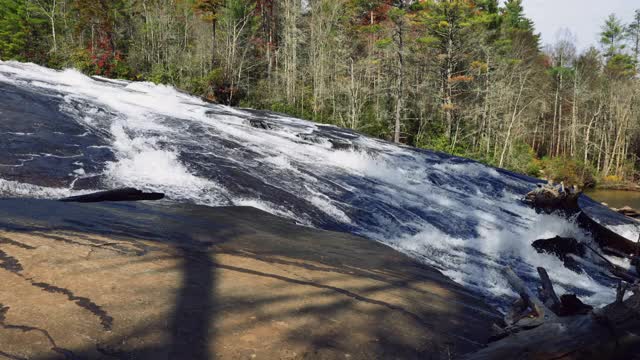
562 247
125 194
570 305
260 124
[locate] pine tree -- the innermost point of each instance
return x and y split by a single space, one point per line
210 10
633 35
514 17
21 30
612 35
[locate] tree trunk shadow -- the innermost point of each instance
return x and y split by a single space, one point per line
190 329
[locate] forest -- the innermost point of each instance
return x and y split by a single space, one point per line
467 77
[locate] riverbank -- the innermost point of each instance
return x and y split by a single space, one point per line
159 281
625 186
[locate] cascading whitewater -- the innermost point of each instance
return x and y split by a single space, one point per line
64 133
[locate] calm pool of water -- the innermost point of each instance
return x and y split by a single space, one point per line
616 198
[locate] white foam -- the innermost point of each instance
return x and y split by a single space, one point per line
479 262
142 165
16 189
629 231
271 208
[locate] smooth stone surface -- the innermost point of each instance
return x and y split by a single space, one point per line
171 281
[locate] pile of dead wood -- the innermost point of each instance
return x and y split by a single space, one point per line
552 327
546 326
558 198
550 197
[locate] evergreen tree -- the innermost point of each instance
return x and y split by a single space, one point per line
514 17
633 35
210 12
21 30
612 35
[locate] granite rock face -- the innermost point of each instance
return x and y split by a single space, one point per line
170 281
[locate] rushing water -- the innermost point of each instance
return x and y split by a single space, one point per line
64 133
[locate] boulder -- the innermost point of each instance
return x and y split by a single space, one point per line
562 247
570 305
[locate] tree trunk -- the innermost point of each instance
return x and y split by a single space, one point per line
400 84
214 61
53 32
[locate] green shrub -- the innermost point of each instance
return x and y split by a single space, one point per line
443 144
522 159
570 171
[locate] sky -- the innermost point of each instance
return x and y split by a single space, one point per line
582 17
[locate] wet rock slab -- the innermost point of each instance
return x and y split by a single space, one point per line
169 281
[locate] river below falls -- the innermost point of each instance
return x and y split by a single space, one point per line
616 198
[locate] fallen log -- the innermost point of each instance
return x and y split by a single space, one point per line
541 312
612 332
628 211
547 293
606 237
124 194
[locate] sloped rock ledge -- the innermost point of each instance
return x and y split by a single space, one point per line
158 281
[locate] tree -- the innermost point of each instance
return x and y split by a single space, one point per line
398 18
633 35
611 38
612 35
20 31
49 8
210 11
514 17
239 25
449 32
291 39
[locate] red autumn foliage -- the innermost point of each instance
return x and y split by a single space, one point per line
103 56
376 14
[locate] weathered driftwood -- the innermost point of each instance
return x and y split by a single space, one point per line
540 312
124 194
628 211
605 237
572 252
546 292
616 252
614 270
612 332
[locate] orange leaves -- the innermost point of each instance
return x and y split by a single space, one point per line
460 78
448 107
